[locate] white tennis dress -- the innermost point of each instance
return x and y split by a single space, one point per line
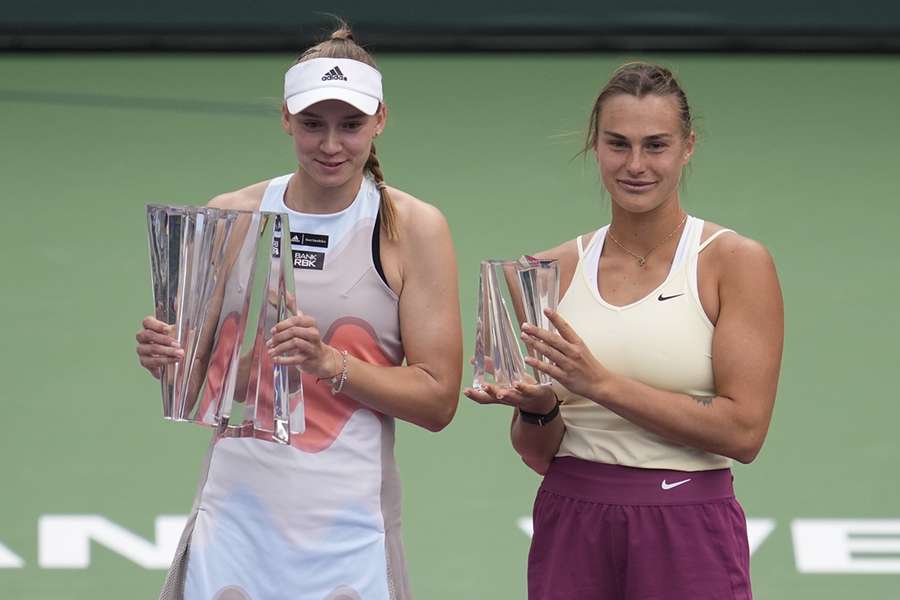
318 519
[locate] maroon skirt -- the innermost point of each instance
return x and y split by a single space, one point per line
606 532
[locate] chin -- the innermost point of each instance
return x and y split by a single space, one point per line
640 203
329 180
332 182
635 203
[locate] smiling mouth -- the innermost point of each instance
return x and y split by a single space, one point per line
638 185
330 165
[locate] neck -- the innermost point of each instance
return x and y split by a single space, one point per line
305 195
643 231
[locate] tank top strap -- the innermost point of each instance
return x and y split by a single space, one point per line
692 281
591 259
690 273
582 248
687 242
711 238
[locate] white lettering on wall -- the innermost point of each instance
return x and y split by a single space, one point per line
847 545
64 541
526 525
757 532
9 559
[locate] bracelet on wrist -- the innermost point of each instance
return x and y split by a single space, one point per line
340 380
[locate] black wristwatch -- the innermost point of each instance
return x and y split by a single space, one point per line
537 418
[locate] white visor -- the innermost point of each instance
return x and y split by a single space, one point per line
350 81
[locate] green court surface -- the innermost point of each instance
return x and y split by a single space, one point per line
798 152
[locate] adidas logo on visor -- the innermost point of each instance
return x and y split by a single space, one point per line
333 74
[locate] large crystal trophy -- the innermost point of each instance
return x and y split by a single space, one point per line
222 279
512 292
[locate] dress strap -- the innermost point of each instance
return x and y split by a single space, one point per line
273 197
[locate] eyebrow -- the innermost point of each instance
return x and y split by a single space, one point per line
313 115
654 137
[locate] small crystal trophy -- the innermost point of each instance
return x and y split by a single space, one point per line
223 278
512 292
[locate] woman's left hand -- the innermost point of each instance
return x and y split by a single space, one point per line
296 341
524 395
572 364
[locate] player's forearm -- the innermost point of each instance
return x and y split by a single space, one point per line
412 393
536 444
716 424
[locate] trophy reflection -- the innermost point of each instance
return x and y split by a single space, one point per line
223 279
511 292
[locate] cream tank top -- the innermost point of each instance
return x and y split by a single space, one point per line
663 340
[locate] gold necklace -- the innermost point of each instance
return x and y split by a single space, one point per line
642 260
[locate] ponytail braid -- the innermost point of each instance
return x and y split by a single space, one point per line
387 211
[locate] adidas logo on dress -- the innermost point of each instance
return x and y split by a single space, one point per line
333 74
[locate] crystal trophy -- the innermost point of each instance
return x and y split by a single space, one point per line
222 279
512 292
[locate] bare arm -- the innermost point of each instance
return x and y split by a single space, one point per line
425 390
537 444
747 347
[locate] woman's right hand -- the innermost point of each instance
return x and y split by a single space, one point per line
157 345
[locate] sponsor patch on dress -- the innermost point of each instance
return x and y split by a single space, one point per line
314 240
304 259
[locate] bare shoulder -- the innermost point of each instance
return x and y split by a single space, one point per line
248 198
731 250
740 267
417 221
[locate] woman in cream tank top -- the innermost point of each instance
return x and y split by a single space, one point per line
665 359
